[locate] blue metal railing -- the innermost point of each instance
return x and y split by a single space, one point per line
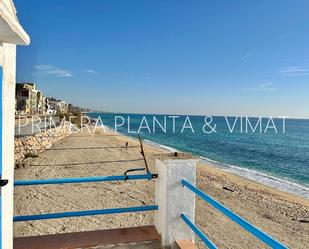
84 213
147 176
198 232
125 177
240 221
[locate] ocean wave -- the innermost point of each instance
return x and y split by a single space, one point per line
285 185
171 149
260 177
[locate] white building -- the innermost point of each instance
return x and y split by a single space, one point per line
11 34
55 106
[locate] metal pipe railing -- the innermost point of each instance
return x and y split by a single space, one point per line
84 213
124 177
198 232
240 221
147 176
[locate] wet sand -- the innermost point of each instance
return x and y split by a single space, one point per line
282 215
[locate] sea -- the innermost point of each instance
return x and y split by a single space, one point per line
272 151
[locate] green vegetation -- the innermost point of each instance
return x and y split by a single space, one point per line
74 117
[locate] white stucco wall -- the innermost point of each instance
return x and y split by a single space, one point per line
11 33
173 200
8 62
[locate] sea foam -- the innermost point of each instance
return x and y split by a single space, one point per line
285 185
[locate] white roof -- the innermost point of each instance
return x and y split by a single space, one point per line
10 29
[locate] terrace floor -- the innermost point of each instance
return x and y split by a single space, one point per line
124 238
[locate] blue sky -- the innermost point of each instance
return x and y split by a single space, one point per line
184 57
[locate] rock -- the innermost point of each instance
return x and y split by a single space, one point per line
38 142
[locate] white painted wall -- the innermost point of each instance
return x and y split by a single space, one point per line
11 33
173 199
8 62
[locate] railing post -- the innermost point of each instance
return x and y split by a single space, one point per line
173 199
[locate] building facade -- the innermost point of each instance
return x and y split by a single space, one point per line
26 98
11 34
29 100
55 106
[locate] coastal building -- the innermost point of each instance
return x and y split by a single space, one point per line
28 99
11 34
55 106
31 101
62 106
23 97
40 103
51 107
44 105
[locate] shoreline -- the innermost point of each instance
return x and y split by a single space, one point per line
282 215
284 185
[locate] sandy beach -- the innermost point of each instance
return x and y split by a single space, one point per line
284 216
